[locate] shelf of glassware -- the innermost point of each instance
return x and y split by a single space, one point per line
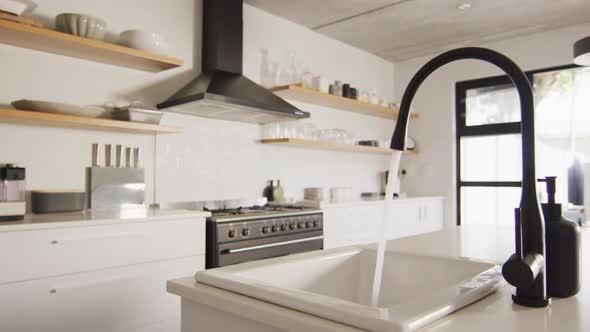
323 145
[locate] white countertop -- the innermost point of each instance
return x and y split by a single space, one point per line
497 312
364 202
493 313
97 217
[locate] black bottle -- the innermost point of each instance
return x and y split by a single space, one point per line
563 240
268 191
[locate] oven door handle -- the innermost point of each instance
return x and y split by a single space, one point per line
270 245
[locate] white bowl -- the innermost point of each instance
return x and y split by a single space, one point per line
17 7
144 40
81 25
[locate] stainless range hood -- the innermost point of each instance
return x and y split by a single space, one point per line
221 91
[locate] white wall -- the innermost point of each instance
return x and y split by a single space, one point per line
432 172
212 159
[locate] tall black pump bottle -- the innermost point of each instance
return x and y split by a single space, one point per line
563 248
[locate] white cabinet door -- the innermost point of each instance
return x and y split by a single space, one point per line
416 216
119 299
361 224
404 219
357 224
432 215
27 255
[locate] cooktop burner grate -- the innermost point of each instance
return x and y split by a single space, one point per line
254 209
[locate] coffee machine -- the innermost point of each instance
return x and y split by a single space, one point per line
12 192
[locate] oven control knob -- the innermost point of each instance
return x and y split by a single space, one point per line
308 224
231 233
265 229
292 226
245 232
316 223
275 228
300 225
283 228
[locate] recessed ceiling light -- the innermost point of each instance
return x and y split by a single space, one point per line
464 6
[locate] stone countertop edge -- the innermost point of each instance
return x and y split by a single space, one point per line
96 218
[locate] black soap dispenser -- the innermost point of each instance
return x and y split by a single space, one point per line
563 240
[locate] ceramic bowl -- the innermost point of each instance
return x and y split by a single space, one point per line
81 25
144 40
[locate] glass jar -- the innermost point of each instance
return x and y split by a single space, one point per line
266 70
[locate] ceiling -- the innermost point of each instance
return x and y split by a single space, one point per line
403 29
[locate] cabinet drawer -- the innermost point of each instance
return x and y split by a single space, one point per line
118 299
352 220
43 253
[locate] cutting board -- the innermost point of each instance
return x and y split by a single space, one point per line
13 18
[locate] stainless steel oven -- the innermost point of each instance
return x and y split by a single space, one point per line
233 239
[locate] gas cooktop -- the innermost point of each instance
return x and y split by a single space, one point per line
242 209
244 213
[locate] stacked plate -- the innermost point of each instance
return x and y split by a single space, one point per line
17 7
128 113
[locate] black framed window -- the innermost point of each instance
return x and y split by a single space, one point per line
488 142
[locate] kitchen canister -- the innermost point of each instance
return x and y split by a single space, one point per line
332 89
56 201
321 84
346 90
338 88
314 194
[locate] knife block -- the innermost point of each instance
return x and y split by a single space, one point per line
115 188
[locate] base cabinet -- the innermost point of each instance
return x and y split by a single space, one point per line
36 254
362 224
108 278
132 298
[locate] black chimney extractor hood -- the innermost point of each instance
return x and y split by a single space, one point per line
221 91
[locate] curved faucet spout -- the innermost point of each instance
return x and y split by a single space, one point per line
530 226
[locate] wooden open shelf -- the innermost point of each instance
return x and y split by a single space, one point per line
72 121
299 93
46 40
320 145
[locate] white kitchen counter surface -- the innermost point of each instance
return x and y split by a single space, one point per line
98 217
365 202
493 313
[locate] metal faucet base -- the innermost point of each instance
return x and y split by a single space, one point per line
528 302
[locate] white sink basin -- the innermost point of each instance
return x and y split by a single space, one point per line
337 285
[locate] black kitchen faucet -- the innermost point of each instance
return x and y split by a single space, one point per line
525 269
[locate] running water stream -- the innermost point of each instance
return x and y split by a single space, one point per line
392 186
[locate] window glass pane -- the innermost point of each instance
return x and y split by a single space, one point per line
563 134
491 158
489 206
497 104
561 103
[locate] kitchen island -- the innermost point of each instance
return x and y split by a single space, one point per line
226 310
